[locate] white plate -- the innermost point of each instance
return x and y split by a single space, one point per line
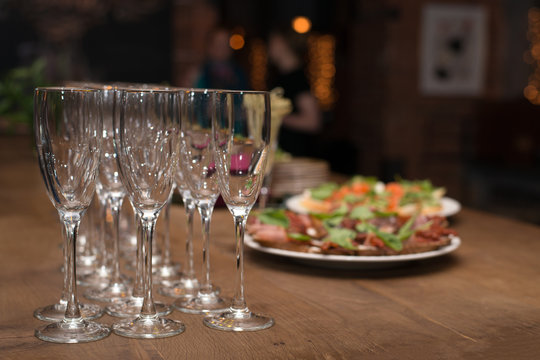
351 261
449 206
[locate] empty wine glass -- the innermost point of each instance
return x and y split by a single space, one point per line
198 170
100 277
68 124
167 272
111 193
132 307
56 312
146 143
188 284
86 249
241 136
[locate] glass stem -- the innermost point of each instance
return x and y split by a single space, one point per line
239 301
138 288
205 210
71 228
148 225
265 190
65 250
115 203
102 254
166 234
88 246
189 205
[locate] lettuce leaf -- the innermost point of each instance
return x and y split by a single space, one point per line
323 191
341 237
274 217
300 237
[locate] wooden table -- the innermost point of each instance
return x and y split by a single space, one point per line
481 302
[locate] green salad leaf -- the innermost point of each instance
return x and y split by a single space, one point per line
323 191
332 222
352 198
384 214
406 230
341 237
274 217
371 180
390 240
300 237
362 213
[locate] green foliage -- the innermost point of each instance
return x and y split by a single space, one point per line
17 95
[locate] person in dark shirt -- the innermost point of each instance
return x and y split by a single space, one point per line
219 70
299 129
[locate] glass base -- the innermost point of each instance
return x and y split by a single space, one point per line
83 270
100 278
152 327
238 320
167 274
185 288
132 308
72 331
57 311
202 304
112 293
156 260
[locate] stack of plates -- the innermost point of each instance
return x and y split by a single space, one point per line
294 176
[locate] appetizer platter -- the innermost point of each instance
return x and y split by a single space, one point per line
363 221
402 196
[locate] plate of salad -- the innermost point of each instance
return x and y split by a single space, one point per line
405 197
351 236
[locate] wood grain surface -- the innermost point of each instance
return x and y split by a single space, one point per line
481 302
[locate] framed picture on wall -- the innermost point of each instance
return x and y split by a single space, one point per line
453 48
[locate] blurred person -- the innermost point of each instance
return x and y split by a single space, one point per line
219 71
299 130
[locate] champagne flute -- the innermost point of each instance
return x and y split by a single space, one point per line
188 284
146 144
132 307
111 192
167 272
198 171
241 136
67 125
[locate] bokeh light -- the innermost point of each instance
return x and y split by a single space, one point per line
236 41
301 24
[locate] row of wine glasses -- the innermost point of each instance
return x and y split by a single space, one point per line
131 141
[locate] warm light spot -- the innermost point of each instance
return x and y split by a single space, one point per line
236 41
258 64
530 92
301 24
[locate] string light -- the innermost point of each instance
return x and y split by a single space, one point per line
258 61
532 57
322 69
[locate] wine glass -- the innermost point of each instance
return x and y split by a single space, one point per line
188 284
68 123
86 248
132 307
241 136
146 144
56 312
167 272
111 193
100 276
198 170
